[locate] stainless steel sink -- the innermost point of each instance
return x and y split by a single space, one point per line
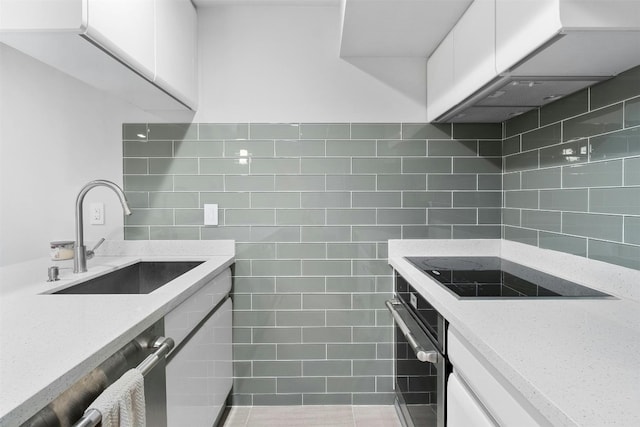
140 278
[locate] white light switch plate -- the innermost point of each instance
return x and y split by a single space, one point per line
211 214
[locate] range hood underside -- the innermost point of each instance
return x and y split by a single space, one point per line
508 97
567 63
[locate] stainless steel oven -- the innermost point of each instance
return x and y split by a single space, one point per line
420 359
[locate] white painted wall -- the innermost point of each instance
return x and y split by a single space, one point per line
56 134
281 64
257 64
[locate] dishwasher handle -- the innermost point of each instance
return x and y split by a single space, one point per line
421 353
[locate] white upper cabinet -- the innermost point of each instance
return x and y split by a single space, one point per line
176 48
474 51
521 27
440 78
464 61
143 51
510 56
126 29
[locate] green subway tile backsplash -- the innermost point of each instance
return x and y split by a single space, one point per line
624 86
346 147
198 149
568 106
376 131
590 181
615 253
632 171
623 143
402 148
426 130
453 148
172 131
477 131
597 122
312 205
632 112
522 123
223 130
569 153
542 137
599 174
325 131
274 130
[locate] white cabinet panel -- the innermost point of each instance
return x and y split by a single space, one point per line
474 49
21 15
505 404
464 61
180 321
160 47
125 28
440 78
463 410
522 26
176 49
199 375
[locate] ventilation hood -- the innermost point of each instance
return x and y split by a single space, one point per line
510 96
556 51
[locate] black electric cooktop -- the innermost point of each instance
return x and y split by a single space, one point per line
492 277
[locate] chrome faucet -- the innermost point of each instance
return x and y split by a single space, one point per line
80 253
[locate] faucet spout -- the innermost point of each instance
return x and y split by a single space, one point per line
80 251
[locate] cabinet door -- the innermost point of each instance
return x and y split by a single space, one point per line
507 406
463 410
199 375
126 29
474 49
38 15
176 49
440 79
522 26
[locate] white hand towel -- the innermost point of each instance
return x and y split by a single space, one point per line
122 403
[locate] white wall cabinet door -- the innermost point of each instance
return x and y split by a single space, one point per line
464 61
176 49
522 26
126 29
474 49
440 78
154 38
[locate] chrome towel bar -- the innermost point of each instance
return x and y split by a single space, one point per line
162 347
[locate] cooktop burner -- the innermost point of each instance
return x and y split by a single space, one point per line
493 277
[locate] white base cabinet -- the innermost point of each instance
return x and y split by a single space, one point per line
463 409
199 375
502 402
199 371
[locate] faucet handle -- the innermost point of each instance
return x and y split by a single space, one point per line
92 252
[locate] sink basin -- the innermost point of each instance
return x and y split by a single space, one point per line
140 278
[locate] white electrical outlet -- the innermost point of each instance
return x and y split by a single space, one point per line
96 213
211 214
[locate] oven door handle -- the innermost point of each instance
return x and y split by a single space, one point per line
421 353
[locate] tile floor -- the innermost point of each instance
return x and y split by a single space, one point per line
308 416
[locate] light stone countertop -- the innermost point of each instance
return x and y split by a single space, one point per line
48 342
575 362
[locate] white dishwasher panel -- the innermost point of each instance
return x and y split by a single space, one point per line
179 322
200 374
